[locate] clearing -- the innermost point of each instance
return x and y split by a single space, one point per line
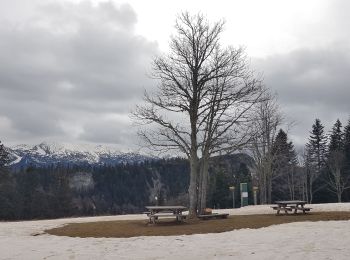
165 227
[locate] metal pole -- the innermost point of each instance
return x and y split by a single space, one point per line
232 188
255 190
233 198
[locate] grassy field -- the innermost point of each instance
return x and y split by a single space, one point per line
169 227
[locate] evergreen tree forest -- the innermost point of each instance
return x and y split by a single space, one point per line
63 191
321 174
327 163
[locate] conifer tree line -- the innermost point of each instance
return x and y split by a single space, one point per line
321 173
327 163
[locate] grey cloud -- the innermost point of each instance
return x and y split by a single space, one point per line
68 61
310 84
102 131
64 68
313 76
313 80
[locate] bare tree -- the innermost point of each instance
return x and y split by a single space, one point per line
205 91
225 124
267 120
292 181
303 162
337 180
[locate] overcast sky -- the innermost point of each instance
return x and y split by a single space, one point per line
71 71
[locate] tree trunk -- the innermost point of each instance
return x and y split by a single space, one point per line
204 183
262 185
311 189
339 196
338 183
305 188
193 188
269 185
269 195
199 181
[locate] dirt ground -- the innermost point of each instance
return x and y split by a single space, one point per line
169 227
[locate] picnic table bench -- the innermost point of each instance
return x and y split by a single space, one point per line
290 205
213 216
155 212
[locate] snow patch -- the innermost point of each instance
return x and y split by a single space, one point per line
302 240
47 153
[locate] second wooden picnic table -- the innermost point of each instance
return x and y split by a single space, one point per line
165 211
290 205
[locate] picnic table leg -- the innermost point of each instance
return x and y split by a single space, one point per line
153 218
150 216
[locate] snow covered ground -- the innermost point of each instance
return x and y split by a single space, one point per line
303 240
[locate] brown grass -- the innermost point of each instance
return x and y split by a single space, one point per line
169 227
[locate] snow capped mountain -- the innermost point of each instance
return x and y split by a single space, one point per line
55 153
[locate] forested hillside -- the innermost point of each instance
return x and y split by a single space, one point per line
60 190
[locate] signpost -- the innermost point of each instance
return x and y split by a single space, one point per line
244 194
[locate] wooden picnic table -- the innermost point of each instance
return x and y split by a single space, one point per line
290 205
155 212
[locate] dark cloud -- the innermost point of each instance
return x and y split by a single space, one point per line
310 76
67 64
310 84
110 129
312 80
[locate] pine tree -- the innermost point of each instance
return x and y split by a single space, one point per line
346 147
316 156
337 180
280 153
4 156
317 145
336 138
284 165
283 151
